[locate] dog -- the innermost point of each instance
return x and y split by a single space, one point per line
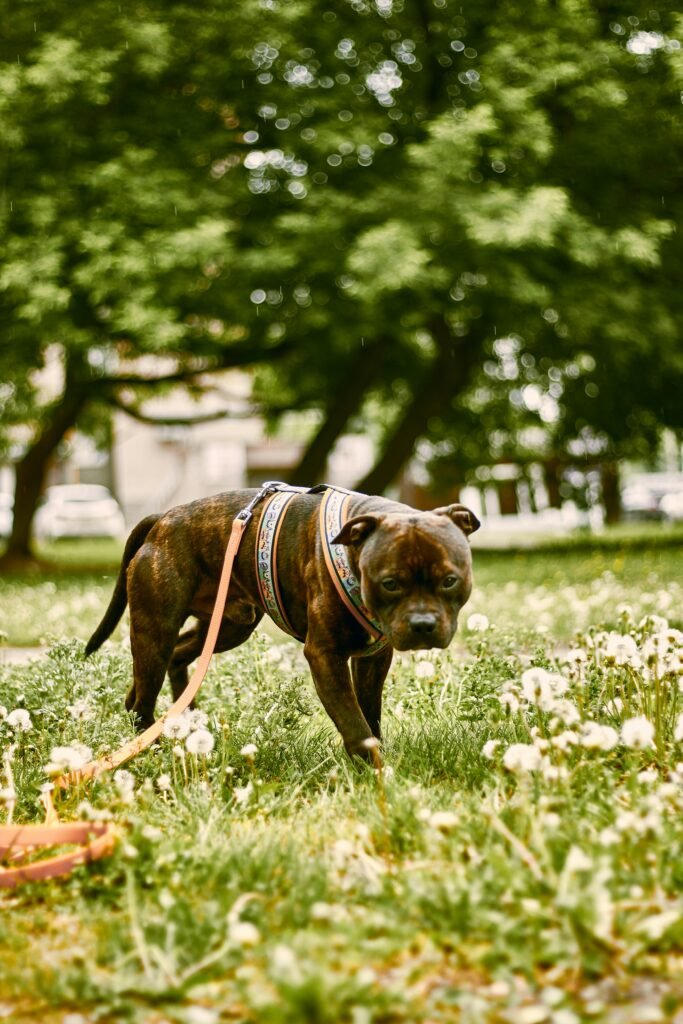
353 577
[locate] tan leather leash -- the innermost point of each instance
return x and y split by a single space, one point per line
97 839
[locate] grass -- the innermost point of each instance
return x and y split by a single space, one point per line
459 885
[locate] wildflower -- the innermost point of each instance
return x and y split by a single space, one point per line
598 737
551 820
125 784
564 740
637 732
164 783
273 654
577 861
575 656
80 711
249 750
243 933
566 711
3 712
608 837
67 759
200 741
20 720
477 623
196 718
678 730
443 821
620 649
536 688
176 727
335 913
489 749
522 758
648 776
242 794
509 700
424 670
7 795
371 743
615 706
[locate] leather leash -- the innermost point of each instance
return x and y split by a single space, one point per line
96 839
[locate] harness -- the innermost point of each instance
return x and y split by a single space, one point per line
333 515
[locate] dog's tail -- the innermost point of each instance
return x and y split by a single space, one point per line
119 598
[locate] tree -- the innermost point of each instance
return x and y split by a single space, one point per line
355 202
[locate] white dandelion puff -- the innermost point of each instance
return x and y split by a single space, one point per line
243 933
637 733
522 758
424 670
595 736
477 623
200 741
489 749
176 727
20 720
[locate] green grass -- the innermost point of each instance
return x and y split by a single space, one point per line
295 886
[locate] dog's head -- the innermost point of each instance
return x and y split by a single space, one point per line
415 571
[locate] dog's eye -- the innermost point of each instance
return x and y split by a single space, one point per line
391 584
449 582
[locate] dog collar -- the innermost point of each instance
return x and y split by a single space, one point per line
333 515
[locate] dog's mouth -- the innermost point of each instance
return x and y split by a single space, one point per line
408 640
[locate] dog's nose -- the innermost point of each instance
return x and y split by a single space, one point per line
423 624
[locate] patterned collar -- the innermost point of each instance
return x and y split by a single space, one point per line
333 515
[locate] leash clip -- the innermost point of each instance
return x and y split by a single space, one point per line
267 488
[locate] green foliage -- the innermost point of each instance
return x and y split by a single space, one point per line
430 179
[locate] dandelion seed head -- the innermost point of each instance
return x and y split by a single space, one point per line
176 727
477 623
637 733
20 720
522 758
200 741
424 670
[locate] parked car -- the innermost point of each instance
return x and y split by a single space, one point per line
640 503
672 506
79 510
6 513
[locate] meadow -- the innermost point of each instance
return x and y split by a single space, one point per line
518 858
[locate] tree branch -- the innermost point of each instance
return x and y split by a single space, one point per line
233 358
178 421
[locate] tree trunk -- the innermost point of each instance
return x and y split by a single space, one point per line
448 377
611 497
31 472
363 372
552 476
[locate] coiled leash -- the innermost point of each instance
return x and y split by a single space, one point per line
94 840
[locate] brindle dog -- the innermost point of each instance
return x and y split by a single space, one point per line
415 571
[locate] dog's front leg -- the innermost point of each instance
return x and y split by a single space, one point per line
332 679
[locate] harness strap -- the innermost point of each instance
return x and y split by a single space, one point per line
272 518
333 515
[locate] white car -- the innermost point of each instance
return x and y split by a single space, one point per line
672 506
79 510
6 513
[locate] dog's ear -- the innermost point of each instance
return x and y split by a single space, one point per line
355 531
463 518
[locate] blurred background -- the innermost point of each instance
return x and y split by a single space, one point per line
420 247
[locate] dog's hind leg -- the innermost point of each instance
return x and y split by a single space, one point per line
156 617
190 644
